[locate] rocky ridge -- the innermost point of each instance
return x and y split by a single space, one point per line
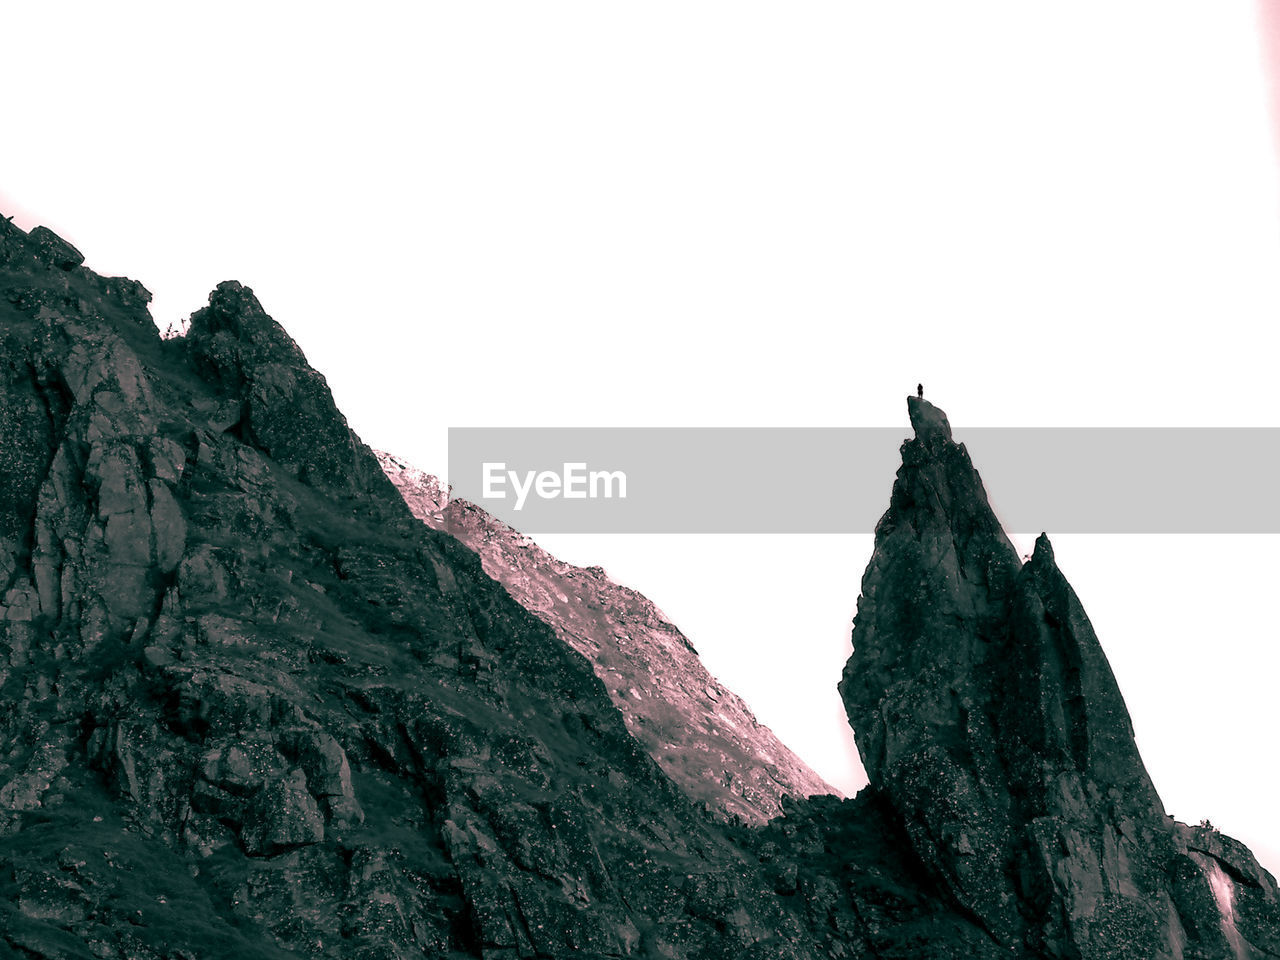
701 733
257 709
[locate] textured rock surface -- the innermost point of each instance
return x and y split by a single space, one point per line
986 714
701 733
255 708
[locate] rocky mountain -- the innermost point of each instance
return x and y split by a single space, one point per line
703 735
258 709
986 714
255 708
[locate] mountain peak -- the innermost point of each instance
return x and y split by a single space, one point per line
285 406
235 308
988 718
928 421
254 710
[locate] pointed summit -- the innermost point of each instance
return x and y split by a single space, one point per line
922 684
284 405
928 421
988 718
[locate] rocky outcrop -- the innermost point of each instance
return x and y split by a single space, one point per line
987 716
274 399
255 708
701 733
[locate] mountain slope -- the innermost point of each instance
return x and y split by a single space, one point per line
255 708
258 710
702 734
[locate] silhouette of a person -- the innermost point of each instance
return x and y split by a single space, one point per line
920 390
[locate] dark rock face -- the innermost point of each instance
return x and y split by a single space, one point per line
986 713
280 405
51 249
254 708
257 709
701 733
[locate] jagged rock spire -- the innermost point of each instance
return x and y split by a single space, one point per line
928 421
986 713
922 685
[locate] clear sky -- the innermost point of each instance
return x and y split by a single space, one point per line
731 214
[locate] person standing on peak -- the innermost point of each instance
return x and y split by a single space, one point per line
920 390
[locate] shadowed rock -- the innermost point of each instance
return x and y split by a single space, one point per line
53 250
255 709
283 405
986 713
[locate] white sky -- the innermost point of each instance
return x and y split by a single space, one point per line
729 214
